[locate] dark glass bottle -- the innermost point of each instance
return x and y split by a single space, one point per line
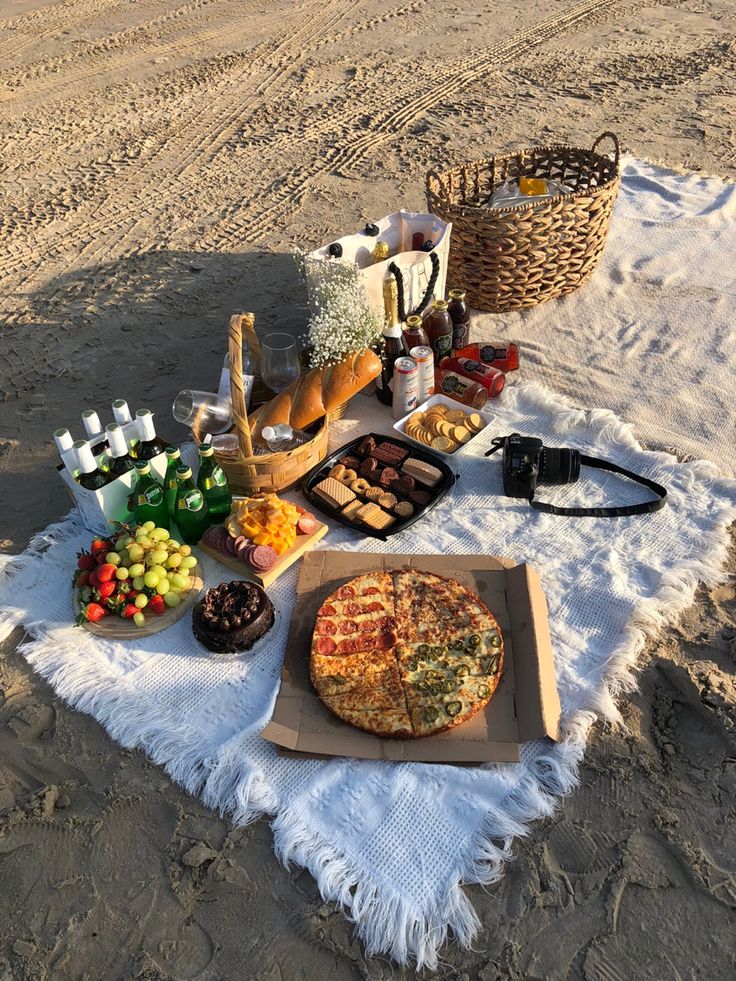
191 513
90 475
212 481
120 459
438 325
460 316
414 333
149 503
150 445
393 346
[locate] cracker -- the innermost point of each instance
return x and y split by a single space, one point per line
475 422
442 443
373 493
455 415
460 434
387 500
350 510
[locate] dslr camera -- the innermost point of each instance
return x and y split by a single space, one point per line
527 462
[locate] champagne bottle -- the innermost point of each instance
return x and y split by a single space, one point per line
190 511
90 475
120 459
149 503
212 481
91 423
150 445
171 484
121 412
393 346
65 446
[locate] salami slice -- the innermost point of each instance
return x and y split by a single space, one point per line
366 626
371 591
325 627
326 645
374 607
307 524
263 558
345 592
354 609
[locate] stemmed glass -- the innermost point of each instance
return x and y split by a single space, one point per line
279 361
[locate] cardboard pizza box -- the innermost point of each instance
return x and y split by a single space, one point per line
525 705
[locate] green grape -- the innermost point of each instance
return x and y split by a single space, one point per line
163 587
185 550
143 541
138 619
121 544
112 558
173 561
178 581
159 555
148 526
160 534
138 583
137 570
188 562
135 552
159 570
122 573
172 599
151 579
141 600
173 544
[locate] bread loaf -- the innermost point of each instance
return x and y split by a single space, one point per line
319 391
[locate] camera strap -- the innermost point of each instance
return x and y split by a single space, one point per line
646 507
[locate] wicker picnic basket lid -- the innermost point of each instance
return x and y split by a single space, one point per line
248 473
521 255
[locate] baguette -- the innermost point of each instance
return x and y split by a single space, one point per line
320 391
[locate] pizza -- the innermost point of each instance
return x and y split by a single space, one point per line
405 654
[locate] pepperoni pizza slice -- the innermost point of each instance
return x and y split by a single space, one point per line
357 617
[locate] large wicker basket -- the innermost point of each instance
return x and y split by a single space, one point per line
246 472
515 257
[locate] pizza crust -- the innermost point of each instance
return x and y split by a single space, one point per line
427 661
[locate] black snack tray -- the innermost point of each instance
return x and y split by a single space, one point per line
441 488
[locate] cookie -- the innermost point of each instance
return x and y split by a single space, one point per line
387 500
367 446
348 477
375 517
388 474
368 467
475 422
403 509
350 462
404 485
350 510
373 493
337 472
359 486
420 497
332 492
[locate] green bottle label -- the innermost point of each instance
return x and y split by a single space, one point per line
207 483
191 501
220 478
151 495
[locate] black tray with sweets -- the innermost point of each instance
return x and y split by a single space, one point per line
374 493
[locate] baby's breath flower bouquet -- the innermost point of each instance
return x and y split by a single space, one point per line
343 321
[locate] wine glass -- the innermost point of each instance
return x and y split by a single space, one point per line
279 361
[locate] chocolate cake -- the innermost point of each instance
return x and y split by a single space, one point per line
232 617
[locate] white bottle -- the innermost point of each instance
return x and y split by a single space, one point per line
65 446
92 425
121 412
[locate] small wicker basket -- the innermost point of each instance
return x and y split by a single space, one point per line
246 472
521 255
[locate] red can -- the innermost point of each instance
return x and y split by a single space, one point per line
490 378
505 357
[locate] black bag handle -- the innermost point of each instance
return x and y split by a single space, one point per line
396 273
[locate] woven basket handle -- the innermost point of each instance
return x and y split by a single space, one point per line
440 180
617 151
235 351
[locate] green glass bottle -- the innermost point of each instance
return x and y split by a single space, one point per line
149 503
171 484
212 481
90 476
191 513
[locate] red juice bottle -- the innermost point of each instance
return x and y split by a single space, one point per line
505 357
490 378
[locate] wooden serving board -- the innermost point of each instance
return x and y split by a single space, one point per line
115 628
302 544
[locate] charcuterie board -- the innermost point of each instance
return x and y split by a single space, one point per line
302 544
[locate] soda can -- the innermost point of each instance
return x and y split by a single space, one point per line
424 357
406 374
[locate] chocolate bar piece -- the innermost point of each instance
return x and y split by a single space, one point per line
350 462
389 453
404 485
366 446
425 473
420 497
368 467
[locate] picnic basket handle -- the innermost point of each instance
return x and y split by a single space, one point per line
440 180
617 148
396 273
237 396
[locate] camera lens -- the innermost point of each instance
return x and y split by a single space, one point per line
559 466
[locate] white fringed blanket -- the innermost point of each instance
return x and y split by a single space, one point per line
394 842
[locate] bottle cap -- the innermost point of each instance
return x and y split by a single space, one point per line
440 305
87 462
371 229
121 412
91 422
142 466
205 449
63 440
335 250
413 321
457 294
146 428
380 251
173 452
183 472
116 440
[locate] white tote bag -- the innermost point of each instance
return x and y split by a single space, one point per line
416 267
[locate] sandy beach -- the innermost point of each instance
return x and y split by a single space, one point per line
159 160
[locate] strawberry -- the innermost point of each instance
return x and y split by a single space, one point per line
94 579
81 578
156 604
86 561
105 590
93 612
106 572
99 547
130 610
